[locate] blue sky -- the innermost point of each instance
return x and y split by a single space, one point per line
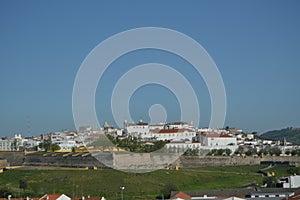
255 45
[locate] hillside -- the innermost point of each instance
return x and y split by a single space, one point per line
290 134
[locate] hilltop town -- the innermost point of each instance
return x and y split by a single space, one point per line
203 151
175 135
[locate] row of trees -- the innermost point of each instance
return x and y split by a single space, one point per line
295 152
220 152
248 151
47 145
272 151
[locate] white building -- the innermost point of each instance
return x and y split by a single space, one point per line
215 140
65 140
170 131
139 130
291 181
173 134
5 144
55 197
31 142
156 126
180 125
212 130
183 145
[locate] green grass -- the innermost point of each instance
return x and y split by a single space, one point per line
76 183
244 169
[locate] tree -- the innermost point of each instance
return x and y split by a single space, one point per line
220 152
55 147
271 181
47 145
239 151
4 191
251 151
191 152
293 170
287 152
14 145
275 151
23 184
167 189
228 152
227 128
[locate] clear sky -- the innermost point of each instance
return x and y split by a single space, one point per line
255 45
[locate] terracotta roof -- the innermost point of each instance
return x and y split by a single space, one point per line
178 123
138 124
181 195
19 198
50 197
175 130
215 135
294 197
86 198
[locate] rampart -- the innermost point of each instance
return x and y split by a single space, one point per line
3 164
122 160
13 158
194 161
77 160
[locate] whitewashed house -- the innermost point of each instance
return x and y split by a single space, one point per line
173 134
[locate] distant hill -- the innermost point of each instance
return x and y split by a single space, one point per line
290 134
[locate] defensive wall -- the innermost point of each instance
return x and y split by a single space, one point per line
13 158
3 164
122 160
195 161
77 160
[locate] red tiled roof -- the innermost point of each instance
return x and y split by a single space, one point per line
175 130
294 197
19 198
178 123
215 135
138 124
85 198
181 195
50 197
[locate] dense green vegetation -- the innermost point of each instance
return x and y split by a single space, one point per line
76 183
290 134
47 145
134 144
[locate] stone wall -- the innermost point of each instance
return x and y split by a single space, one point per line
13 158
3 163
77 160
194 161
125 160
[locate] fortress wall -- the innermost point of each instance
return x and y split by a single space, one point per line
3 163
194 161
59 160
123 160
13 158
217 161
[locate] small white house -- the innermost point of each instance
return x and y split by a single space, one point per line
173 134
291 181
55 197
215 139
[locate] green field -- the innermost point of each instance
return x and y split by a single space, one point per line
77 183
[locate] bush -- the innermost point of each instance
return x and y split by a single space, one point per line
4 191
167 189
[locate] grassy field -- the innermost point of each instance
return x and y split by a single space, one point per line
77 183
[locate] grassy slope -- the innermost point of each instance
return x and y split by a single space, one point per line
148 185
